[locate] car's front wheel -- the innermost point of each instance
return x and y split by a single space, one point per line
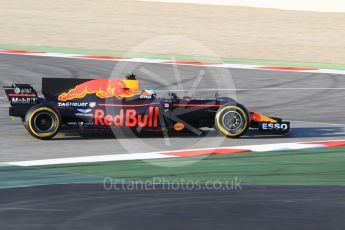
42 122
232 120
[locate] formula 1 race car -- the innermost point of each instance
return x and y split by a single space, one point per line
111 104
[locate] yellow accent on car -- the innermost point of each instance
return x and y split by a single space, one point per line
133 85
267 119
257 117
179 126
220 126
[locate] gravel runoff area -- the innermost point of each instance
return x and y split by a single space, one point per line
165 28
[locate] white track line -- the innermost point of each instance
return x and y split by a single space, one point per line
89 159
171 154
172 62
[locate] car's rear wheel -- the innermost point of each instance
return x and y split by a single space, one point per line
232 120
42 122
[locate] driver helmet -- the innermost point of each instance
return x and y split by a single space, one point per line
149 92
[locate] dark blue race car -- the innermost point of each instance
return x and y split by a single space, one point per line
105 105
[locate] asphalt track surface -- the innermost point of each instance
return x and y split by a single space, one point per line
317 112
315 101
92 207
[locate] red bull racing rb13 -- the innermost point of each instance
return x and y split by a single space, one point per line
102 105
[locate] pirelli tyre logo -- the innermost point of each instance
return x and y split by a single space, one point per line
127 118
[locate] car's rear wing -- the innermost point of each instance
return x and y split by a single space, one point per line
21 97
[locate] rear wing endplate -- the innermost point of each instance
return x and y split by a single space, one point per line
21 94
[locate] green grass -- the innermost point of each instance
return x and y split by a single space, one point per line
174 57
13 176
298 167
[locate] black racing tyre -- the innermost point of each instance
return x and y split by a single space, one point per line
42 122
232 120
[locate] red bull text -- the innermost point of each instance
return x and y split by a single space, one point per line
128 118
